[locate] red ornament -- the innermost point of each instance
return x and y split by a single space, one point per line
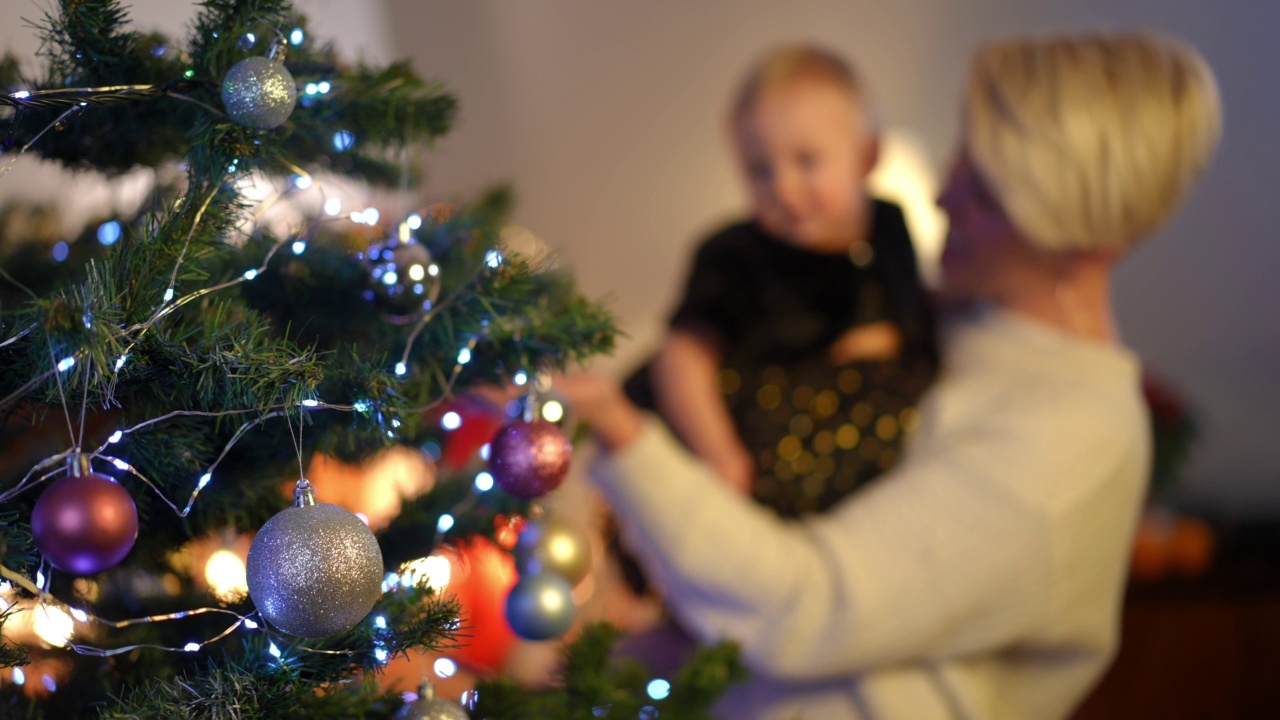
85 523
529 459
482 576
480 419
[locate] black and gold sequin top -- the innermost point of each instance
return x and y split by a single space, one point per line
817 430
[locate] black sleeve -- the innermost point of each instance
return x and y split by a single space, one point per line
715 295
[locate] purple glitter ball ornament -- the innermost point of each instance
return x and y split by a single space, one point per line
529 459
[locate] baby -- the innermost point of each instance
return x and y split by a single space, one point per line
804 338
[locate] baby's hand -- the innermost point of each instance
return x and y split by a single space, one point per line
877 341
736 468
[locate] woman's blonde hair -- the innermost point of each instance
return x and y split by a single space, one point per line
793 64
1090 142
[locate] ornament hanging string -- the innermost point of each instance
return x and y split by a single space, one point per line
84 404
62 396
297 443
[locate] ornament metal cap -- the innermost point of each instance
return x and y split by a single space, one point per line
426 691
303 494
78 464
278 48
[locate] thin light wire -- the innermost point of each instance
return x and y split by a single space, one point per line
195 223
20 286
467 503
29 384
170 307
21 334
22 484
187 98
45 598
202 482
58 121
163 310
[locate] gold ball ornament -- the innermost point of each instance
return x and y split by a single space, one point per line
553 546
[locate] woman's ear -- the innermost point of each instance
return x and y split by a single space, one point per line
870 154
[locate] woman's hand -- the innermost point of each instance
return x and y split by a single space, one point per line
599 402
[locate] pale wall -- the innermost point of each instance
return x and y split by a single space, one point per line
606 116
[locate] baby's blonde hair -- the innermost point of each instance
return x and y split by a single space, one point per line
793 64
1090 142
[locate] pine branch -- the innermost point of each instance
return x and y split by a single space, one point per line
251 688
197 356
412 533
11 654
594 684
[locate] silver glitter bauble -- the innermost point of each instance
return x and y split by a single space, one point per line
552 546
540 607
404 281
430 707
259 92
314 570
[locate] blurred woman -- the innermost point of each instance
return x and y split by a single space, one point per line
983 577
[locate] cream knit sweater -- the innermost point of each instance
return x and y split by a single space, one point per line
982 578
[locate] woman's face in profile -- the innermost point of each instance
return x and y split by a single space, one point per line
980 258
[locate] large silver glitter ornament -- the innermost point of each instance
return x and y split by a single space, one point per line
404 280
430 707
540 607
314 570
259 92
553 546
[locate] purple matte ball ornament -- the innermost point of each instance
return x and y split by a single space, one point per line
86 522
529 459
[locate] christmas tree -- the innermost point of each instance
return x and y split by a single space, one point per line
171 382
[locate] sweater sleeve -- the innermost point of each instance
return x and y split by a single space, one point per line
936 559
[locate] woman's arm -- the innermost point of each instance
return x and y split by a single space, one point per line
936 559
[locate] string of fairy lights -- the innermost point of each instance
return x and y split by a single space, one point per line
431 570
54 619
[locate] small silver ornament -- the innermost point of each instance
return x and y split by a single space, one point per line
404 280
540 607
553 546
430 707
259 92
314 570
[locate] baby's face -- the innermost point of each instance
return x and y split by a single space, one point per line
805 150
